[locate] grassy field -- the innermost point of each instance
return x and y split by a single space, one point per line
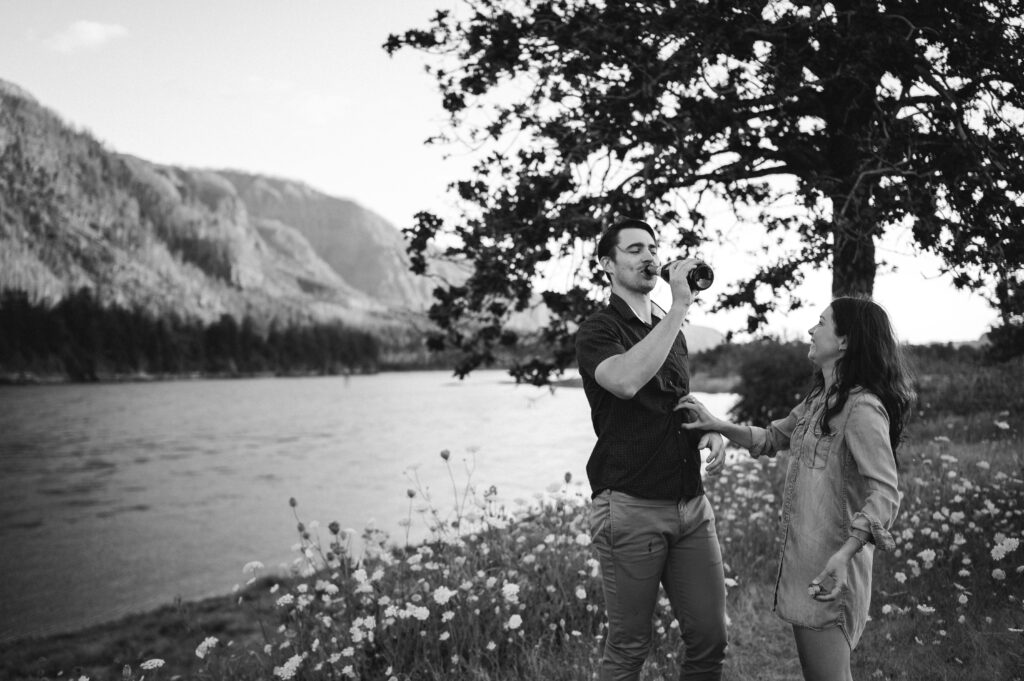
502 595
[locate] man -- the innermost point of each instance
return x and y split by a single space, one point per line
650 521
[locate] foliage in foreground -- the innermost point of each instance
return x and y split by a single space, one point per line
496 595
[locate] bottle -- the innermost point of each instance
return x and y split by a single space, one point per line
699 278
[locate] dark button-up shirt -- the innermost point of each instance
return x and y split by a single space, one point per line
640 448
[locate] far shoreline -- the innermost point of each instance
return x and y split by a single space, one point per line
699 381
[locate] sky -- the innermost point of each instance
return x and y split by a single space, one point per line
304 91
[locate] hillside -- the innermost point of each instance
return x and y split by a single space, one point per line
197 243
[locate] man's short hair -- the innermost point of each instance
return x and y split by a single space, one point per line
610 238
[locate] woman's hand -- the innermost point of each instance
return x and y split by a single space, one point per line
836 572
702 418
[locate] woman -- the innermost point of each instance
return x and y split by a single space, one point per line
841 492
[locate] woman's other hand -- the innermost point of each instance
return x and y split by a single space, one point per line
835 574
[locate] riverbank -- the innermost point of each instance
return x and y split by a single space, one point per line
170 633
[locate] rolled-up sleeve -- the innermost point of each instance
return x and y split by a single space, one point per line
775 438
867 436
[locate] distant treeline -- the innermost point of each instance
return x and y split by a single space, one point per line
773 376
80 339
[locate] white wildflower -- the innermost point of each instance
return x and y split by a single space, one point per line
1004 547
510 591
252 567
442 595
208 644
288 669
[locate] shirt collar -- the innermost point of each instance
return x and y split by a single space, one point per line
626 312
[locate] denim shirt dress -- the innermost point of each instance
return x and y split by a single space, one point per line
836 482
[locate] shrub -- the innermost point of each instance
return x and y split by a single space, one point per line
774 377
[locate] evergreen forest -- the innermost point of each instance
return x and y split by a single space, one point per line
80 339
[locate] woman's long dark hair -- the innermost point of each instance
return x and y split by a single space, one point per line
873 360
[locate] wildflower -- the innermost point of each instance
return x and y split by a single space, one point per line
287 599
998 575
1004 547
900 577
292 502
155 663
510 591
491 645
420 613
886 609
515 621
206 646
925 609
928 556
349 671
445 454
444 636
581 593
1001 425
288 669
962 599
252 566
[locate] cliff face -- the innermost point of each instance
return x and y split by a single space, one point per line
196 243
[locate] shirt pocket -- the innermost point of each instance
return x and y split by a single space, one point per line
796 438
817 446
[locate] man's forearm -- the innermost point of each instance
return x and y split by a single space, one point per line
623 375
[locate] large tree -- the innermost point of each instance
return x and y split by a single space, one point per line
860 115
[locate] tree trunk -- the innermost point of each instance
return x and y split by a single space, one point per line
853 259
